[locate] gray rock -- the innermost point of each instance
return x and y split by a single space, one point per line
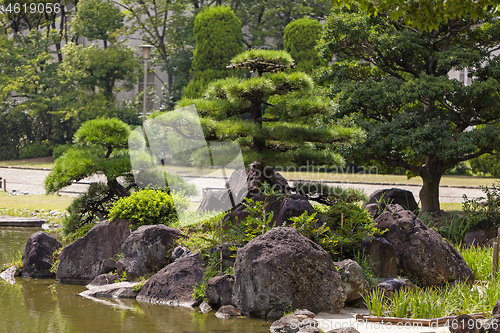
205 308
344 330
115 290
299 321
422 252
90 256
220 290
493 324
173 285
102 280
227 311
466 324
382 255
496 308
281 270
37 256
353 280
9 274
179 252
372 209
391 285
145 250
476 238
398 196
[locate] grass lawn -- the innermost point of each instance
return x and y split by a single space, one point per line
42 162
35 201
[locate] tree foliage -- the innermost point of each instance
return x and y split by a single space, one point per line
425 15
274 116
100 146
300 38
94 68
97 20
218 39
394 79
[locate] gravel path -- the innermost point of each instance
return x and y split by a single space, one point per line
31 180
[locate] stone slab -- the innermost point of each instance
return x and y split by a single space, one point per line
14 221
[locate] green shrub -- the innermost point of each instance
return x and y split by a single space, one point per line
356 226
300 38
34 150
85 211
218 39
319 233
59 150
484 212
148 207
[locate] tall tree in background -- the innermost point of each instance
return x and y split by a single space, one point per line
425 15
264 21
273 116
300 38
95 68
394 80
162 24
218 39
97 20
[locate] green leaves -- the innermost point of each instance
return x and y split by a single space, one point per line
425 15
97 19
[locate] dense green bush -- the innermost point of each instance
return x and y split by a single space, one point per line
34 150
148 207
349 229
486 164
300 38
218 39
484 212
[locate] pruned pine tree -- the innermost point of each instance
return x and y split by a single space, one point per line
274 116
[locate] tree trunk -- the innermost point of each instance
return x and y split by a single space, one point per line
431 174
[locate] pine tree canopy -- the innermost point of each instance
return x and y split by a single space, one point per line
275 117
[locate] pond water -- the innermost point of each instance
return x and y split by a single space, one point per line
43 305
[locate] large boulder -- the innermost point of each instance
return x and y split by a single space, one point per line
146 249
173 285
284 270
382 255
37 257
91 255
353 280
389 196
422 252
220 290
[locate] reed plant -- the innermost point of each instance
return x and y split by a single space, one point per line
435 302
479 259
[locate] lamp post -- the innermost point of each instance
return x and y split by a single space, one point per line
146 50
